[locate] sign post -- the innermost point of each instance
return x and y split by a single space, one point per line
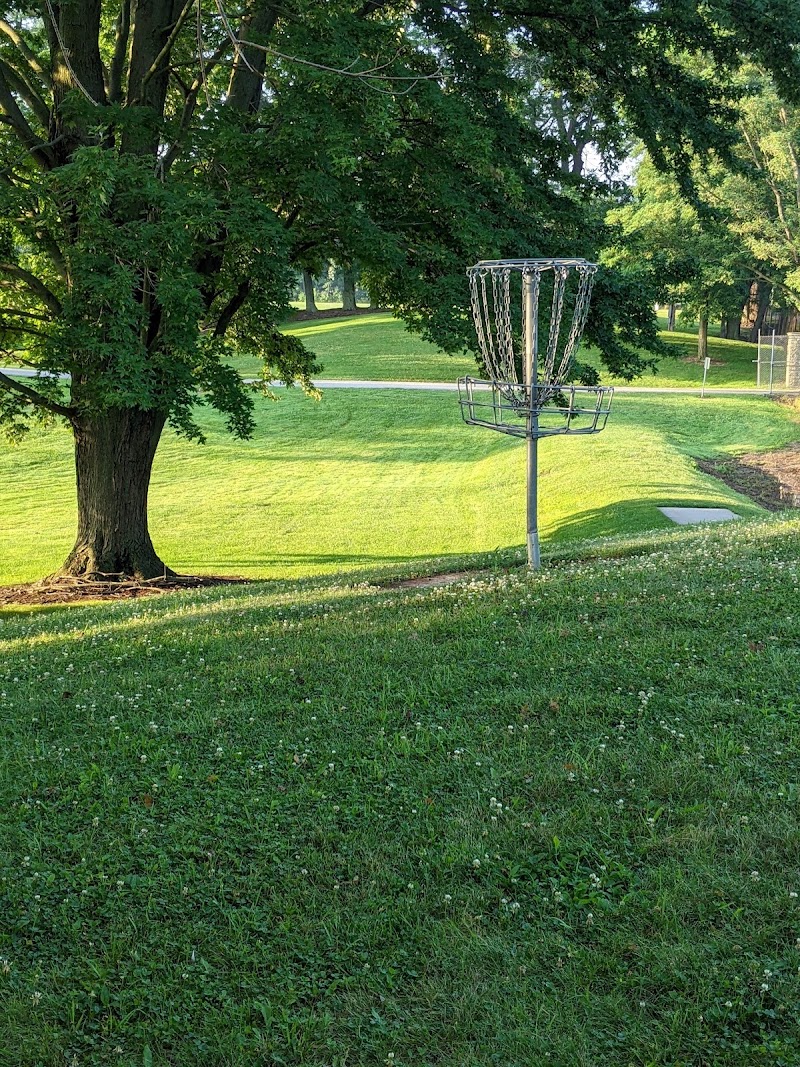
706 365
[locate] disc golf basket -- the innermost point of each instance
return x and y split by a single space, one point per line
518 306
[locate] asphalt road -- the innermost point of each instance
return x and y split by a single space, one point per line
452 387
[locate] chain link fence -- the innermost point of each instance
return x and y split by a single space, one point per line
778 363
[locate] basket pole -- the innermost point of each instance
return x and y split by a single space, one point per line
531 355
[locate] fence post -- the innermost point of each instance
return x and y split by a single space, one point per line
793 361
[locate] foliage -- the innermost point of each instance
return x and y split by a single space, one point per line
162 222
689 255
338 822
762 200
742 222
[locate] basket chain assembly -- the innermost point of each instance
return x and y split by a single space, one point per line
525 396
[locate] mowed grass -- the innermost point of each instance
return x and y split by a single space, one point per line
368 478
518 820
732 365
377 347
373 347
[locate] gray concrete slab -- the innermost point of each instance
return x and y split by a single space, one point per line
688 516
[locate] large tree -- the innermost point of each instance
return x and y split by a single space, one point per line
167 165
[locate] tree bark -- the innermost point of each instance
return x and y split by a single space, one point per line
349 288
113 462
670 317
764 298
754 309
702 336
308 290
729 327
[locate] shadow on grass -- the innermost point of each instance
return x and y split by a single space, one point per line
344 559
628 517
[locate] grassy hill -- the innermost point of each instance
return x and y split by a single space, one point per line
516 820
378 347
373 347
368 478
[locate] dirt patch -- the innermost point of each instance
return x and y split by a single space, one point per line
429 581
75 590
771 479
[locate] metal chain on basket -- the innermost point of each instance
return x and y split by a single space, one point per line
491 312
533 276
560 275
586 272
501 293
477 311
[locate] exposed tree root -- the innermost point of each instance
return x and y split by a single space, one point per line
69 590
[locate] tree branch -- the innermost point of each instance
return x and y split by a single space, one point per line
12 110
13 386
24 314
370 7
28 55
22 86
189 104
120 52
233 305
168 45
792 156
48 298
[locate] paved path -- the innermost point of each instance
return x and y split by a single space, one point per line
452 387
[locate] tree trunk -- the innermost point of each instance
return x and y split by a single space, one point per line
670 317
308 289
113 462
729 327
349 288
754 310
702 336
764 298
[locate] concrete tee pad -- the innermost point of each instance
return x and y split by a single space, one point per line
687 516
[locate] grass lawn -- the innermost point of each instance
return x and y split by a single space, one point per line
378 347
374 478
731 364
373 347
516 821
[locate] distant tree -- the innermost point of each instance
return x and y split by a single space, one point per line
694 259
761 197
308 290
349 274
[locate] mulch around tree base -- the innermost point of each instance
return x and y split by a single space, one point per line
771 479
74 590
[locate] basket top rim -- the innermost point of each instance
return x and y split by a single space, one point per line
542 264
